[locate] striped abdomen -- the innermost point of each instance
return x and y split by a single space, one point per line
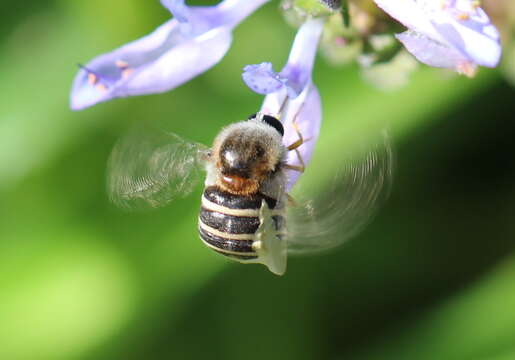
228 222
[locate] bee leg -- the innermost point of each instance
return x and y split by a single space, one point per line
291 200
295 146
300 141
294 167
299 168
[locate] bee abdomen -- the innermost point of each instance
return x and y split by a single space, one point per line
223 243
228 222
231 201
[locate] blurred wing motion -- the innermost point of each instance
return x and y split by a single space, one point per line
359 185
149 168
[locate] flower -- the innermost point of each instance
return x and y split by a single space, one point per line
193 41
454 34
291 95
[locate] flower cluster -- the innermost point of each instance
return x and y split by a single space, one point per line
455 34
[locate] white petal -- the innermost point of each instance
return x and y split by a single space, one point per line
412 14
180 64
431 52
478 42
300 63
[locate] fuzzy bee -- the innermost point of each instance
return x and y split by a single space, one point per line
246 211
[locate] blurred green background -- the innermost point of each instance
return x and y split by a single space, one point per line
433 277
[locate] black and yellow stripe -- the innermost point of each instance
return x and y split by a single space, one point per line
228 222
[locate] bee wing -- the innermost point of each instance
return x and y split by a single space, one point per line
360 184
148 168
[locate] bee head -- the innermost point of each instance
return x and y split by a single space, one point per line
247 153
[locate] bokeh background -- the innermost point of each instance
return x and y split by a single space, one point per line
432 277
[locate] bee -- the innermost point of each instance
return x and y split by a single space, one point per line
246 212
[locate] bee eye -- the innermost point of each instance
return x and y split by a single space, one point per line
270 120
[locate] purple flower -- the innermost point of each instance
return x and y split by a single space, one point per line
291 95
187 45
454 34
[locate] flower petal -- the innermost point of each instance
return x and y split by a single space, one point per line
135 54
296 74
180 64
458 24
182 48
178 9
262 79
431 52
412 14
298 105
155 63
473 35
466 13
232 12
306 112
228 13
300 63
